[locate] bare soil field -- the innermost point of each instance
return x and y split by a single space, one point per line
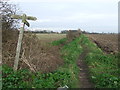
107 42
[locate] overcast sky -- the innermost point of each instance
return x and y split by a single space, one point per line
89 15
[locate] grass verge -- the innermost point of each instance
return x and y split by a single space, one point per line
103 67
70 53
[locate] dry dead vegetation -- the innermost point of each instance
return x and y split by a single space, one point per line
72 34
35 55
107 42
46 38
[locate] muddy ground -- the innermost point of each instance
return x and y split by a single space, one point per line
107 42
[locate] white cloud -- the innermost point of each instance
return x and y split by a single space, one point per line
91 16
42 20
82 17
103 1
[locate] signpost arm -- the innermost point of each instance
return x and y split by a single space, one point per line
18 48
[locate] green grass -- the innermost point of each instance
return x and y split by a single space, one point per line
103 67
70 53
58 42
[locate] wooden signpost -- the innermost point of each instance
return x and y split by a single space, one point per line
24 19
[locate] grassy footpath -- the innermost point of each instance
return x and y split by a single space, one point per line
103 67
70 53
65 75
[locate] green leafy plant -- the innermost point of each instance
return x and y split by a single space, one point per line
103 67
61 41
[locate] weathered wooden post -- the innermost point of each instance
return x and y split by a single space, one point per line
24 19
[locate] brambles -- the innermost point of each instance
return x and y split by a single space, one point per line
41 57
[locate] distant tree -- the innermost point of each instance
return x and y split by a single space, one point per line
6 10
85 32
64 31
44 31
51 31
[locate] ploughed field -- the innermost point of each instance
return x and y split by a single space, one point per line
107 42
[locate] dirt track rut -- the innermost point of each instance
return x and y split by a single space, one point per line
84 73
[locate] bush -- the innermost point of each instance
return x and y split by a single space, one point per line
6 10
56 43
